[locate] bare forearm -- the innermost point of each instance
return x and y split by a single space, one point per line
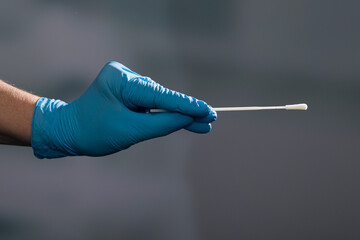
16 111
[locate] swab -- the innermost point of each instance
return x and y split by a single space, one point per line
301 106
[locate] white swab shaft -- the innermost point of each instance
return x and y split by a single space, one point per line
301 106
231 109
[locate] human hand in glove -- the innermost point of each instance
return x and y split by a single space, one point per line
113 114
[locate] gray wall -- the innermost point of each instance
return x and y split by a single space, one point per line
257 175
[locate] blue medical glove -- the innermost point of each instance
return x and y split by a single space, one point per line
112 115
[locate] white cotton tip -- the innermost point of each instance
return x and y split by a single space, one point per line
301 106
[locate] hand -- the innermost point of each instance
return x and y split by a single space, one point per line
113 114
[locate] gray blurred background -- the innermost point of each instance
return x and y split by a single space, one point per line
257 175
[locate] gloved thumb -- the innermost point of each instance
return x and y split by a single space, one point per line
161 124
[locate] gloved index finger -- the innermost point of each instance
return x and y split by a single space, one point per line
152 95
175 101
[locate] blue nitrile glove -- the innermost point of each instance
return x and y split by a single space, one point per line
112 115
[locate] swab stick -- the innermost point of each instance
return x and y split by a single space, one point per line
301 106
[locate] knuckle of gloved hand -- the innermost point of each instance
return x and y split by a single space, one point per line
147 79
112 65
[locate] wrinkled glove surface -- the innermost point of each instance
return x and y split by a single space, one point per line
113 114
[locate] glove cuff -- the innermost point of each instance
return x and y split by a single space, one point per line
44 139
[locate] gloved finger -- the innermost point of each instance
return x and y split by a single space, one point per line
139 108
161 124
212 116
138 92
198 127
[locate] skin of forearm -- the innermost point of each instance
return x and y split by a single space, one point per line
16 112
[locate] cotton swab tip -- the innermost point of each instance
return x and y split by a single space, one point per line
301 106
